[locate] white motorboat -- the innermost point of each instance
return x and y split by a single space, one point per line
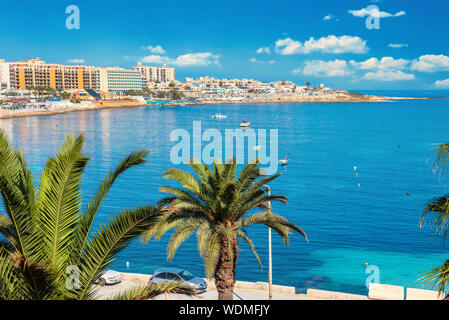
244 124
219 116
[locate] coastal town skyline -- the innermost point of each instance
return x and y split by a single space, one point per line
335 46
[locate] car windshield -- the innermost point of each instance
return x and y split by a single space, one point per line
186 275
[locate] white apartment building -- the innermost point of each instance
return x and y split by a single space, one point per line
5 75
114 79
154 74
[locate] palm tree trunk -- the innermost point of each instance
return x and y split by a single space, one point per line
225 271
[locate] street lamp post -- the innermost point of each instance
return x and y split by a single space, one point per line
270 265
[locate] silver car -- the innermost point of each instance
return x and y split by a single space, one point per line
109 277
178 274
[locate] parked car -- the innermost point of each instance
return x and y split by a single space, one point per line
178 274
109 277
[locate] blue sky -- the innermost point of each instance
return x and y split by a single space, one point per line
317 41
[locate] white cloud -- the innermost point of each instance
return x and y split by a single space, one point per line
197 59
320 68
374 11
76 61
442 83
329 44
254 60
388 75
397 45
328 17
186 60
386 63
261 50
333 44
288 46
384 69
156 49
431 63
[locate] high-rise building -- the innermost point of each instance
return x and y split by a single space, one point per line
5 76
154 74
36 73
114 79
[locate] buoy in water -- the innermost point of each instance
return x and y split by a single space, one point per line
359 185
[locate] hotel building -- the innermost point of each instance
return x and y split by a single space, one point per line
35 73
154 74
114 79
5 77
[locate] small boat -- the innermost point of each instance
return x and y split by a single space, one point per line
244 124
283 162
219 116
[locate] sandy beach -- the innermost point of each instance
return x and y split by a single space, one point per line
88 105
82 106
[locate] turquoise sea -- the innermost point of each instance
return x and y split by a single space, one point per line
391 144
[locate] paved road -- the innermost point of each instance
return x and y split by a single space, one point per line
239 294
211 295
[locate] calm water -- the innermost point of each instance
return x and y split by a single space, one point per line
348 225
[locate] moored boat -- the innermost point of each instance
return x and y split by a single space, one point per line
244 124
219 116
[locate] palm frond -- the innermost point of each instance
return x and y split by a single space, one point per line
166 222
245 238
438 277
202 235
6 227
201 170
186 179
181 234
87 217
60 199
12 283
17 194
279 224
212 254
439 207
441 160
152 290
99 253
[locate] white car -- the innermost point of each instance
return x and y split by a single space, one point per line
109 277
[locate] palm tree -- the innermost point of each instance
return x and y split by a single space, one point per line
438 207
217 206
45 233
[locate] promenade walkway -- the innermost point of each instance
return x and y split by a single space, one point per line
243 291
